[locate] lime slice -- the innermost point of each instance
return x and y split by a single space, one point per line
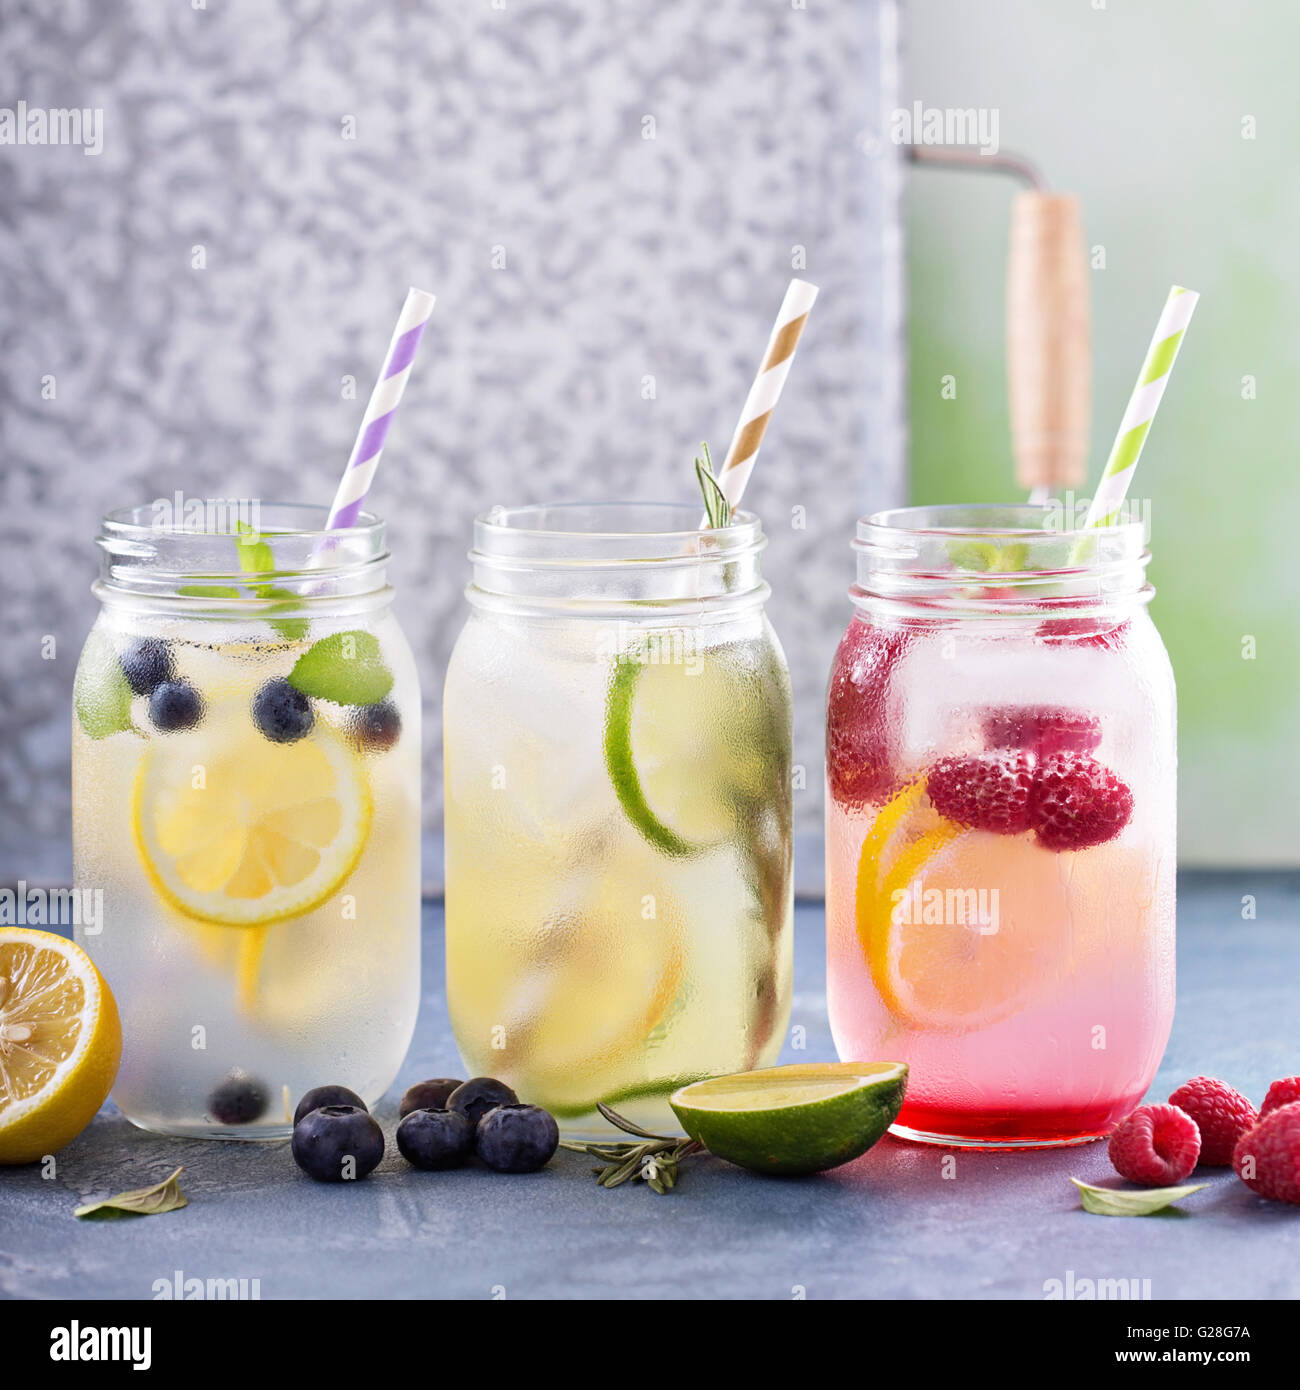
620 760
789 1120
691 745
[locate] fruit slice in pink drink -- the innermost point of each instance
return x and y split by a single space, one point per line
943 970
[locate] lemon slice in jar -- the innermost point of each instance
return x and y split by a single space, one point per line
240 831
957 972
566 1004
944 975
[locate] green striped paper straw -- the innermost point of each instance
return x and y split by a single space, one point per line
1141 410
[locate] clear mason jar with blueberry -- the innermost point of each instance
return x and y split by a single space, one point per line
246 794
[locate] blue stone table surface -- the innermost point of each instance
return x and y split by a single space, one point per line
888 1225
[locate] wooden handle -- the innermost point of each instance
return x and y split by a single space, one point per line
1049 341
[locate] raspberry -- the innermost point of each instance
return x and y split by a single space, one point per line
1077 803
989 791
1280 1093
1270 1155
1221 1114
859 743
1156 1145
1042 729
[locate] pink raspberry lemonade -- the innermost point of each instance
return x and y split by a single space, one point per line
1000 767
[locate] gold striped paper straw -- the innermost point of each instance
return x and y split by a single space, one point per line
1141 409
766 390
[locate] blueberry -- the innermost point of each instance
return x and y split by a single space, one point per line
175 705
337 1143
327 1095
375 728
238 1100
427 1095
475 1097
147 663
282 713
516 1138
435 1139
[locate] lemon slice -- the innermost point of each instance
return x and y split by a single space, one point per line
60 1043
567 1010
956 972
240 831
799 1119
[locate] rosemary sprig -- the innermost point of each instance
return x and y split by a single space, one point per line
653 1161
716 506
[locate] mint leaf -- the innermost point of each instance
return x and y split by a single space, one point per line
972 555
984 556
344 667
208 591
100 693
1115 1201
1012 557
140 1201
255 556
291 629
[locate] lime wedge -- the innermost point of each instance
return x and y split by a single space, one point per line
789 1120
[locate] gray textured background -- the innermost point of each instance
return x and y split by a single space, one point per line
477 126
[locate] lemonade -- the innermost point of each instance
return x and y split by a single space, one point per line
1000 825
246 794
617 757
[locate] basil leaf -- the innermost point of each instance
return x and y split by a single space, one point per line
1115 1201
140 1201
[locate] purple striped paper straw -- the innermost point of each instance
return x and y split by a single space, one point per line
384 400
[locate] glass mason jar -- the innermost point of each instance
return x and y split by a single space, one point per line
618 805
246 793
1000 823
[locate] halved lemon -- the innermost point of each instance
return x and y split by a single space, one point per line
240 831
60 1043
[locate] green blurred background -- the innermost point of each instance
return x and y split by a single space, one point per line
1144 111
